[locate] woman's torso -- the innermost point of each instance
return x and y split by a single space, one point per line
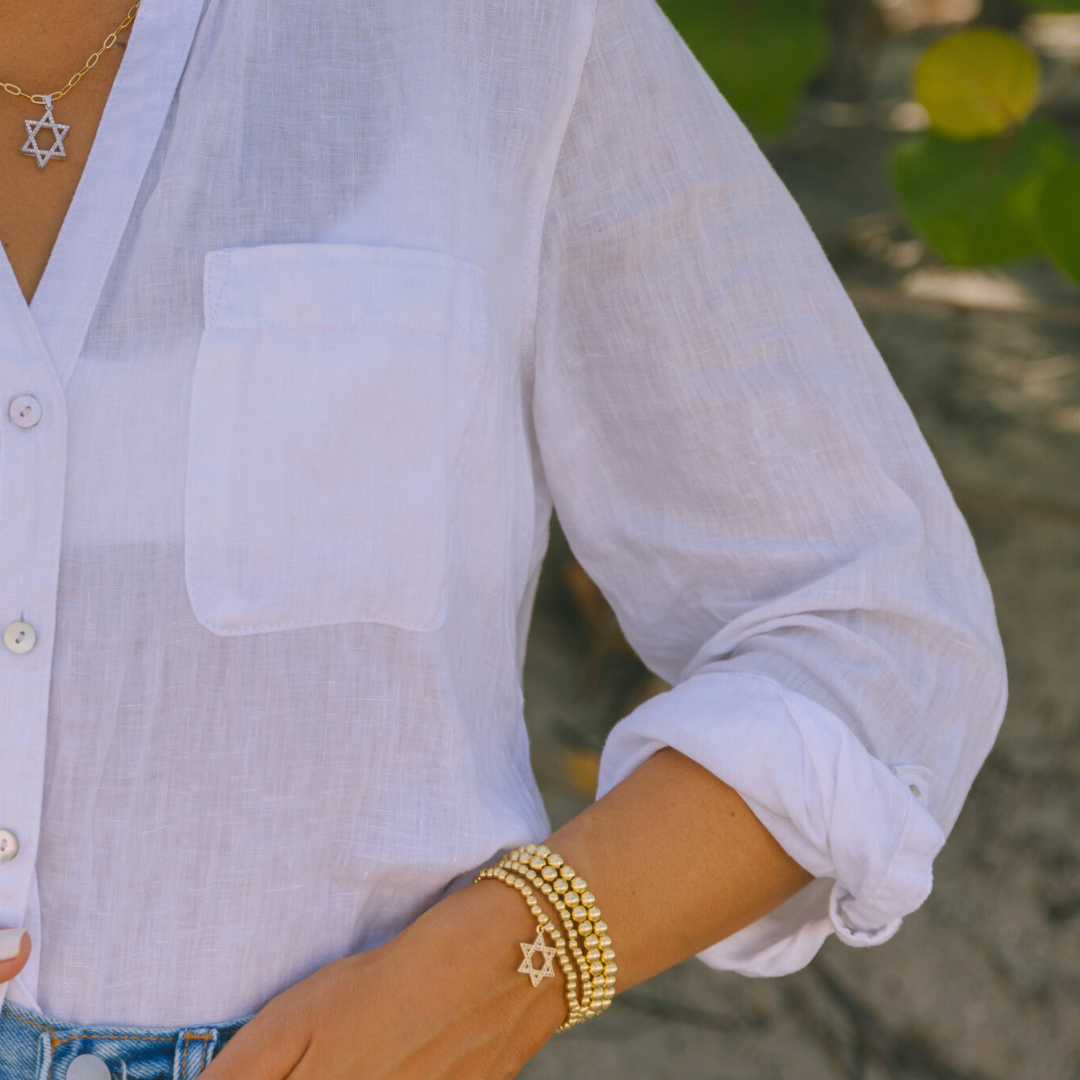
295 547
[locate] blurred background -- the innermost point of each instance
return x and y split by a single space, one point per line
934 146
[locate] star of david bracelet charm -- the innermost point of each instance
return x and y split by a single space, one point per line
34 128
544 952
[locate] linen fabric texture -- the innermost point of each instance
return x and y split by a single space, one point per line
349 297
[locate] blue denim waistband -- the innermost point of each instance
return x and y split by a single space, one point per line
34 1047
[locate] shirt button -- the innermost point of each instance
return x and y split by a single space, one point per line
25 411
9 845
20 637
88 1067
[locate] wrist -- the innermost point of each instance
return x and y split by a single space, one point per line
502 923
477 933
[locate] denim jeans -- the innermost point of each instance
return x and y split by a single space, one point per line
33 1047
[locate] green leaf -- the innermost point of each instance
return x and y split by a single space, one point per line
760 53
977 201
977 83
1059 214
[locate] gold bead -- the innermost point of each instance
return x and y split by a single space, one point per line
594 913
559 905
543 850
536 862
601 927
572 898
596 968
588 899
530 848
609 980
592 941
592 954
561 886
605 941
554 860
567 873
578 884
579 914
610 969
586 929
549 873
536 909
608 955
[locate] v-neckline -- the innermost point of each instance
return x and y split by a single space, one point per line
67 295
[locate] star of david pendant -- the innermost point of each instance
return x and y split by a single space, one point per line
545 951
57 131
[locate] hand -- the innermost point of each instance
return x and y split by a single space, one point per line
12 965
441 1001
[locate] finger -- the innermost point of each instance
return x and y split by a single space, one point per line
265 1048
14 952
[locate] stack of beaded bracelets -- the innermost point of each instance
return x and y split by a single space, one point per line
531 869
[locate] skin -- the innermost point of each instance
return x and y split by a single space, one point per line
676 859
41 47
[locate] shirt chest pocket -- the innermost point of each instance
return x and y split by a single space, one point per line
332 391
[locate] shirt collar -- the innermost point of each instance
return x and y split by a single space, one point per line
67 296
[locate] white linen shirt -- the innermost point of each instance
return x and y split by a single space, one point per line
349 296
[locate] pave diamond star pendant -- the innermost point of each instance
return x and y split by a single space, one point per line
42 151
45 137
545 951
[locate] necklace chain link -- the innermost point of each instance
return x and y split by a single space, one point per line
56 95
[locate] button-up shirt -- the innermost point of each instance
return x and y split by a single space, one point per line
350 296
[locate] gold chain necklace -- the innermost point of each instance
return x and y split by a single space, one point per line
47 122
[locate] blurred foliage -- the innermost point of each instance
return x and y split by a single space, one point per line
977 83
977 200
973 186
1059 210
988 183
760 53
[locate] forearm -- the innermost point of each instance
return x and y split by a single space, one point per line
676 860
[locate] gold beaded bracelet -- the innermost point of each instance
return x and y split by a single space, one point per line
543 926
538 866
585 1003
576 906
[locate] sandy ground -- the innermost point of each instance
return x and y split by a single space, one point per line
983 981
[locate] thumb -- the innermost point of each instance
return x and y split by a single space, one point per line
14 952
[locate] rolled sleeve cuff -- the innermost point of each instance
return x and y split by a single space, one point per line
852 821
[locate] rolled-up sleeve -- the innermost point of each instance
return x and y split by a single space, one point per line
733 465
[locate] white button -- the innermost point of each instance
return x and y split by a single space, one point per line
9 845
25 411
88 1067
20 637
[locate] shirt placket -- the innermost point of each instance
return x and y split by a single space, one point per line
39 349
33 457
